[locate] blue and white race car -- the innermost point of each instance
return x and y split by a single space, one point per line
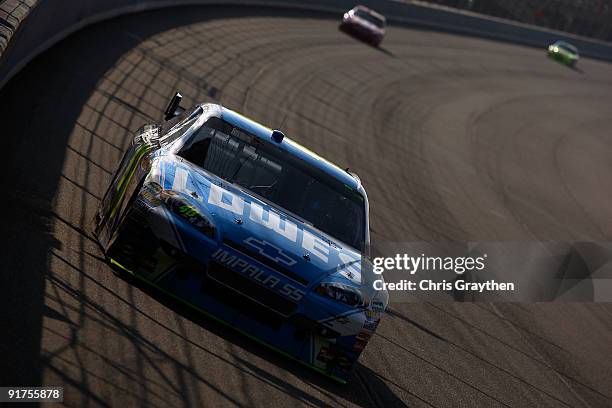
250 228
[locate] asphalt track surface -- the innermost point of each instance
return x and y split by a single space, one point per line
455 138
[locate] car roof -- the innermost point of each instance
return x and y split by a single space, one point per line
291 147
370 11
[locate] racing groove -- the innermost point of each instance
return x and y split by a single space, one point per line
455 139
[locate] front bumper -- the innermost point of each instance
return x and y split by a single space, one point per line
562 58
330 345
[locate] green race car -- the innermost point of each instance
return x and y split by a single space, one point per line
563 52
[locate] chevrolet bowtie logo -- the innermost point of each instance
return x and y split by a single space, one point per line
270 251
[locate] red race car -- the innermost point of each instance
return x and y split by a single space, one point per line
364 23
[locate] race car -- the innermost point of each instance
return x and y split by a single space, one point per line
563 52
365 24
250 228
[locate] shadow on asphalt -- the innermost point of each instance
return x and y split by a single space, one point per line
365 387
40 107
570 67
575 68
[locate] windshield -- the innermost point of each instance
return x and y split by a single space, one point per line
282 179
567 47
370 18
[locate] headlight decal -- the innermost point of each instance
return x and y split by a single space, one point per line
181 207
340 292
149 194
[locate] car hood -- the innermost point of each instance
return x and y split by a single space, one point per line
365 23
263 231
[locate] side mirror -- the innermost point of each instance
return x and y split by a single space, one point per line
174 109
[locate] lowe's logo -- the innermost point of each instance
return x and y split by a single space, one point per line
311 243
270 251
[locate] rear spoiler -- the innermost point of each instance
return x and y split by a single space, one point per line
174 107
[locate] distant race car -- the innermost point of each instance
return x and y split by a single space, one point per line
365 24
564 53
250 228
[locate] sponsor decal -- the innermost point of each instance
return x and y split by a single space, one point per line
149 135
372 314
257 274
370 324
378 306
226 200
151 192
273 221
270 251
149 195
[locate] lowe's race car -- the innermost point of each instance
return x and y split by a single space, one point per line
250 228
